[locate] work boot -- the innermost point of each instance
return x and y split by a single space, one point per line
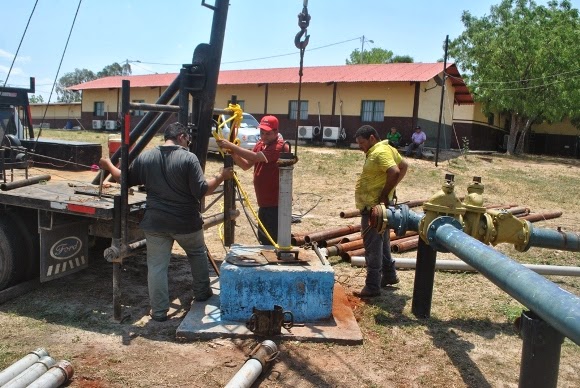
366 293
389 280
204 297
158 317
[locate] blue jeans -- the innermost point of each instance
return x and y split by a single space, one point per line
377 255
158 255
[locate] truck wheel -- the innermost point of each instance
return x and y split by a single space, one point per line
10 267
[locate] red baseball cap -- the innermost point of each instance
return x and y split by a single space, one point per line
269 123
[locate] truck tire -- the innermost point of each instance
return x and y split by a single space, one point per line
11 269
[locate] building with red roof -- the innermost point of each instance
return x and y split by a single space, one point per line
335 100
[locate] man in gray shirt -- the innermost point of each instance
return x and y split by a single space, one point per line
175 185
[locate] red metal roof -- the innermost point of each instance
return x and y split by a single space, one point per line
392 72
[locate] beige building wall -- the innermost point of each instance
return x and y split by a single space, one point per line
56 111
563 128
112 98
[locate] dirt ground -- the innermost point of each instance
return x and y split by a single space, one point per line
469 340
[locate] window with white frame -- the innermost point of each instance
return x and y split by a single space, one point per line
99 108
372 111
293 110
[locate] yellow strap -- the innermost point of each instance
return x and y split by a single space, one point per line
236 120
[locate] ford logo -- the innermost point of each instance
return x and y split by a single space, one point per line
66 248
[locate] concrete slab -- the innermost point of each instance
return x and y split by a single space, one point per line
203 322
304 288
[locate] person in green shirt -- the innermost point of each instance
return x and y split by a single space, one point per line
394 137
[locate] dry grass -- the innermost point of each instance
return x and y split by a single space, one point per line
469 341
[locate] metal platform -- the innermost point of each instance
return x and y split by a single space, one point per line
204 322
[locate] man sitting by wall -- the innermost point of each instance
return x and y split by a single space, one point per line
417 140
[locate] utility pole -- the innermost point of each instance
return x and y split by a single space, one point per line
362 48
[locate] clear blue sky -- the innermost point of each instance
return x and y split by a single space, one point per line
166 32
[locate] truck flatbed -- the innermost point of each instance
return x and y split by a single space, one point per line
68 198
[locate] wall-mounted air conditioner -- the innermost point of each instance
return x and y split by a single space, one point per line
111 125
97 124
330 133
305 132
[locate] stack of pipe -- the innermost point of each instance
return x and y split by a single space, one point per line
344 249
38 370
307 238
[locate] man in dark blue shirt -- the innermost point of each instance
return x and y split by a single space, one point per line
175 185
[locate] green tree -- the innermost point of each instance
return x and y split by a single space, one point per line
69 79
523 59
36 99
84 75
115 69
402 59
377 55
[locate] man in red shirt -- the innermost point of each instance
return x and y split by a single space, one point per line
264 157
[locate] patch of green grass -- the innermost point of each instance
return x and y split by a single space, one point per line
509 310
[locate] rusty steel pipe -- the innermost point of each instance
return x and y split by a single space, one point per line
217 219
405 244
501 206
534 217
329 233
518 210
414 202
339 240
23 182
346 256
349 213
339 249
297 241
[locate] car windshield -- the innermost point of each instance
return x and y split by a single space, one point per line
249 121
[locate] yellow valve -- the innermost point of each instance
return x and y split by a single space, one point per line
475 224
507 228
444 203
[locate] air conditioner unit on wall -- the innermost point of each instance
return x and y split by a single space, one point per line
305 132
97 124
111 125
330 133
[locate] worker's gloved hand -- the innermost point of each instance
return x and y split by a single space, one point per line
227 173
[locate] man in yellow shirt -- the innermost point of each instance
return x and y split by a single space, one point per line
384 168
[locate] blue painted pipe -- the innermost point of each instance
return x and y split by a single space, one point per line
554 305
555 239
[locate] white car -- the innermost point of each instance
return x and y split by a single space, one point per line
248 132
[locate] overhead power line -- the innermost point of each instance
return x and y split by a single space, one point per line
258 59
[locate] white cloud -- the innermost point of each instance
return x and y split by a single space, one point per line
15 70
7 55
